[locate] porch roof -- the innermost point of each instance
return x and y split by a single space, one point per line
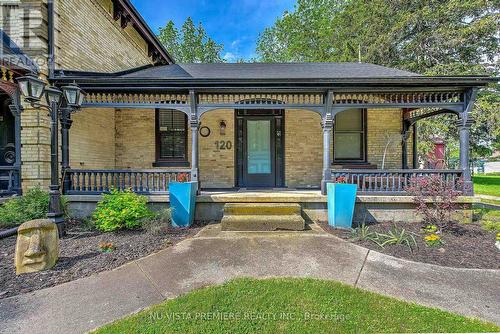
264 75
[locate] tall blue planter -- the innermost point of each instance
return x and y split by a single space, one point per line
182 202
341 198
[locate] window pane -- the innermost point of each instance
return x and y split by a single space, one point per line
349 120
172 131
348 146
259 147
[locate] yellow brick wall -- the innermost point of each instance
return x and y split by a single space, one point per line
35 149
303 148
92 139
217 167
383 124
99 44
135 139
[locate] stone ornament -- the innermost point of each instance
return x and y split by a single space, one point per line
37 246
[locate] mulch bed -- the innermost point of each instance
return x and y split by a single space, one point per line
465 245
80 255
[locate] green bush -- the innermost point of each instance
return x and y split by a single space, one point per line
34 204
119 210
159 223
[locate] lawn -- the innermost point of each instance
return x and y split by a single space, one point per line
487 184
291 306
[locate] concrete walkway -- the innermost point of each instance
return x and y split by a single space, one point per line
213 257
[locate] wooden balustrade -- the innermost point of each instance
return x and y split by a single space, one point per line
142 181
392 181
9 180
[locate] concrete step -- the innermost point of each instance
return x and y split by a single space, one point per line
292 222
262 217
264 209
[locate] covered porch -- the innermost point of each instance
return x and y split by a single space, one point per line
305 121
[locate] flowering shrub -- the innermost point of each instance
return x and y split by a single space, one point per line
435 199
183 177
433 240
121 209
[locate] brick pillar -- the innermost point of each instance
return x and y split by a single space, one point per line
35 147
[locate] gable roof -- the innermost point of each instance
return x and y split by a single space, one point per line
125 11
13 57
268 71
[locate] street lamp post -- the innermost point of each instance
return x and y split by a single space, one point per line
33 89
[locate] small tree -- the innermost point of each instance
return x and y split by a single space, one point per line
436 199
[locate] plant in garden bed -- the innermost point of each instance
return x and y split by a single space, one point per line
159 223
106 247
433 240
362 233
395 236
34 204
435 198
120 210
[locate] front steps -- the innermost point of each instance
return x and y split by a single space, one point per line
262 217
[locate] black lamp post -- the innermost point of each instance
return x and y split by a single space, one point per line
32 89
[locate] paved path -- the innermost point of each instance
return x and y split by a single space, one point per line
213 257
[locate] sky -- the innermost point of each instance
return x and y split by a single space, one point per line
236 24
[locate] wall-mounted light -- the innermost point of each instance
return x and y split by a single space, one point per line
222 127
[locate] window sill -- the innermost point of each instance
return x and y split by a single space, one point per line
171 164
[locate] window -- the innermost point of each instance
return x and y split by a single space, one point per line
349 136
171 138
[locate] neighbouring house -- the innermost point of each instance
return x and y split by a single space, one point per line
234 128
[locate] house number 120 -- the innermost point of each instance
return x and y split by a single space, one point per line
223 145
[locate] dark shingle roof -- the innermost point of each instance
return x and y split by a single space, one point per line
269 71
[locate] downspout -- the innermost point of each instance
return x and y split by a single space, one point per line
50 38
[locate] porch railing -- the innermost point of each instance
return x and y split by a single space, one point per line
97 181
9 180
393 180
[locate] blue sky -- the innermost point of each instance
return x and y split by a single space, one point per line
236 24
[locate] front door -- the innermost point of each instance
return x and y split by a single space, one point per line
259 148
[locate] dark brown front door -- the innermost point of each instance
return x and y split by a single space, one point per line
259 148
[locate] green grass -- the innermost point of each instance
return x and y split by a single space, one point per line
487 184
291 306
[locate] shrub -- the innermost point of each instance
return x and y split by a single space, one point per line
435 199
34 204
159 223
433 240
119 210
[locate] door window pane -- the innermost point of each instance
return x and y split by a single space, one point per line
259 146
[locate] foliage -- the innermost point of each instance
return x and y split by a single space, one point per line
498 236
191 44
159 223
362 233
106 247
435 199
34 204
183 177
281 305
430 229
448 37
119 210
433 240
487 184
395 237
490 225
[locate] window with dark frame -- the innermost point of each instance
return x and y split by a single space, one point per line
171 138
349 138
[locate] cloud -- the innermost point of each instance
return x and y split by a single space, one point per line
230 57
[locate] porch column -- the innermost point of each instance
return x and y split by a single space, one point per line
464 124
404 145
414 151
194 136
16 109
66 123
327 124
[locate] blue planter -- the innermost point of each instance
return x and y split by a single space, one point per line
182 202
341 199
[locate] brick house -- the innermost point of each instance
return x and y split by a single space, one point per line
231 127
